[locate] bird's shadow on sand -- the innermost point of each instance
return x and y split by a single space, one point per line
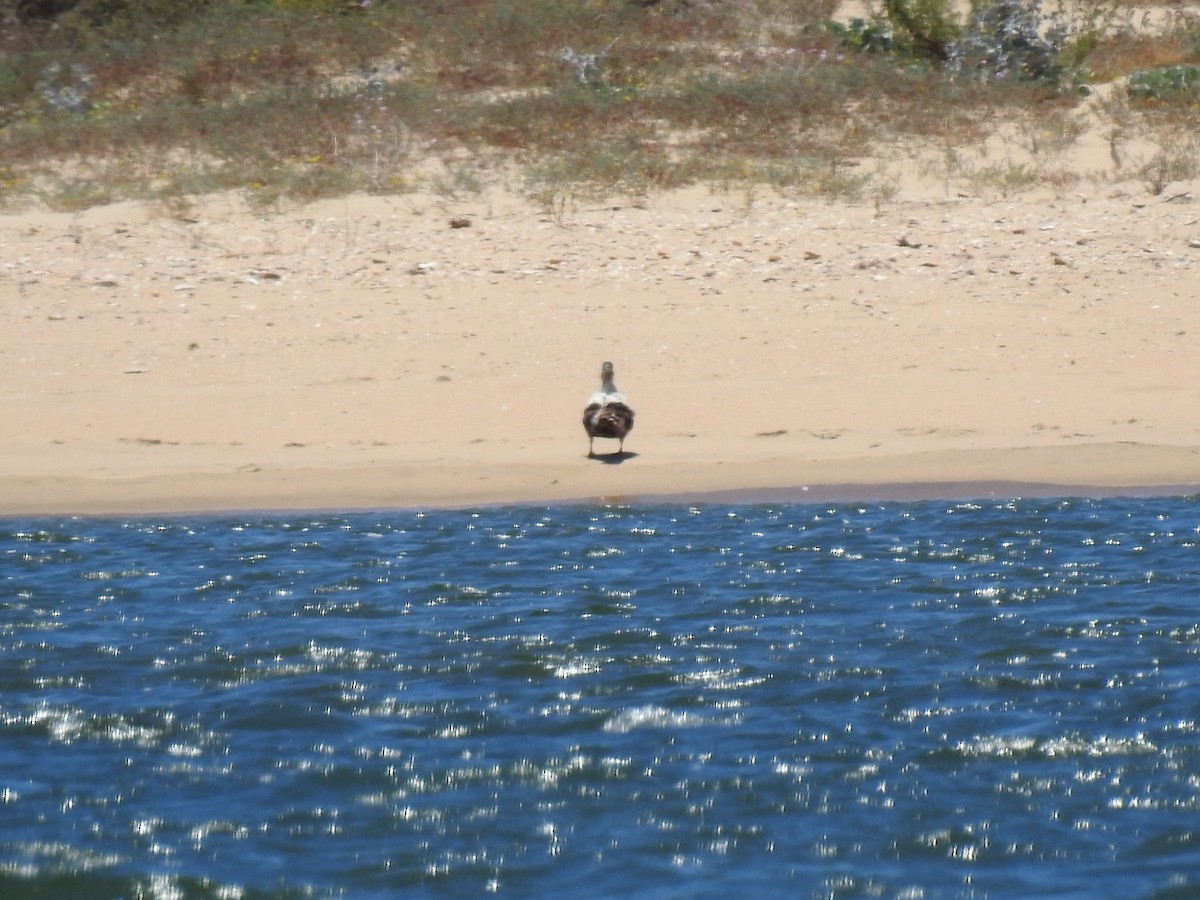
613 459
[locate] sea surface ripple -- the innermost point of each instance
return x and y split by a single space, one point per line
925 699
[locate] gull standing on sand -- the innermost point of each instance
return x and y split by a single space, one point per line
607 414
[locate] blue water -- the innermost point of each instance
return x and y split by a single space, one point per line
932 699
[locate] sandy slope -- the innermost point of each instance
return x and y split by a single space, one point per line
364 353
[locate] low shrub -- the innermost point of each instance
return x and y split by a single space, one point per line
1165 84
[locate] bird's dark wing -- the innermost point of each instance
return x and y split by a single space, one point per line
613 420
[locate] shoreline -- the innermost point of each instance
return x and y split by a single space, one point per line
949 492
1096 471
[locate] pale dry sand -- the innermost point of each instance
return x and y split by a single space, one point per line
363 353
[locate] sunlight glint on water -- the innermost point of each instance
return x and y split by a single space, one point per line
910 699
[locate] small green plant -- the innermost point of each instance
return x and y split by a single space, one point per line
865 35
1170 83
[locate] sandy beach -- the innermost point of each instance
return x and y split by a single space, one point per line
368 353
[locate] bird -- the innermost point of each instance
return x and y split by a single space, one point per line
608 414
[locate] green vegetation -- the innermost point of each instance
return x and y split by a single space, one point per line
1165 83
293 100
